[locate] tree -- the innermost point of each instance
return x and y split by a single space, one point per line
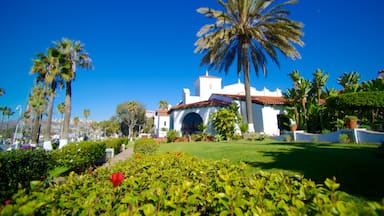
2 92
47 67
130 113
318 83
349 81
38 103
61 109
163 105
225 120
86 113
249 31
74 55
8 112
76 121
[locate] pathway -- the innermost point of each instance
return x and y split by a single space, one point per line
127 153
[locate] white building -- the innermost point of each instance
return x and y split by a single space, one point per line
210 96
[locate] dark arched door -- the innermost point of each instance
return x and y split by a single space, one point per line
191 124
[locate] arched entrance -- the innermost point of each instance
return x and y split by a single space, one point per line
191 124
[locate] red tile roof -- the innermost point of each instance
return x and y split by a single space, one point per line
162 112
207 103
264 100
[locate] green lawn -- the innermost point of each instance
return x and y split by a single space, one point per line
356 166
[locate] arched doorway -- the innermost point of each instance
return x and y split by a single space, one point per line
191 124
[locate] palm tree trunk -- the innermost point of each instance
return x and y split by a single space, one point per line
47 135
247 86
67 116
35 129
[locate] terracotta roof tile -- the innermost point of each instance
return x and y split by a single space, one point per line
264 100
162 112
200 104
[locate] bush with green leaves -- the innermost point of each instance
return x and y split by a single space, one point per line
344 138
79 156
146 146
19 167
172 135
116 144
176 184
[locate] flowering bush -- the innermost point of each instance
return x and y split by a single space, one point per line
176 184
117 179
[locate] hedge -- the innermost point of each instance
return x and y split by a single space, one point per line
176 184
373 99
19 167
79 156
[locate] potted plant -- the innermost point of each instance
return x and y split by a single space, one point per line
292 125
351 121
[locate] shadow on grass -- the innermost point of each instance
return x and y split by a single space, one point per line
358 169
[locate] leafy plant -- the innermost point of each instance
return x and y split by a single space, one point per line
176 184
19 167
172 135
146 146
344 138
79 156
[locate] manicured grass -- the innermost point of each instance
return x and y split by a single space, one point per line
356 166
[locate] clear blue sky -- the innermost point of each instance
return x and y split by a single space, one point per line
143 50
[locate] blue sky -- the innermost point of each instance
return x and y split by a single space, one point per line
143 50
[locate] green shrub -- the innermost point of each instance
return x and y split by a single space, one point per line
19 167
146 146
344 138
176 184
315 138
172 135
116 144
288 138
79 156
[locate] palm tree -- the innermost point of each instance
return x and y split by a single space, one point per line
38 102
86 113
163 105
249 31
61 109
48 69
318 83
76 121
2 91
8 112
74 55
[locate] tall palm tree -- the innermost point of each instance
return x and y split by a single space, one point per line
249 31
8 112
61 109
86 113
74 55
163 105
38 102
2 91
48 68
76 121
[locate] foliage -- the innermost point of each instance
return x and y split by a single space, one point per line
146 146
176 184
250 32
360 100
254 136
351 118
344 138
115 144
21 167
132 114
172 135
224 121
79 156
288 138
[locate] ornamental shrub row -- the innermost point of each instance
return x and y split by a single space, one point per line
79 156
18 168
176 184
116 144
146 146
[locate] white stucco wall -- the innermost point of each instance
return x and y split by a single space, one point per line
204 112
206 85
270 123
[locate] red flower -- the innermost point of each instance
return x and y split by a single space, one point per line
7 202
117 179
